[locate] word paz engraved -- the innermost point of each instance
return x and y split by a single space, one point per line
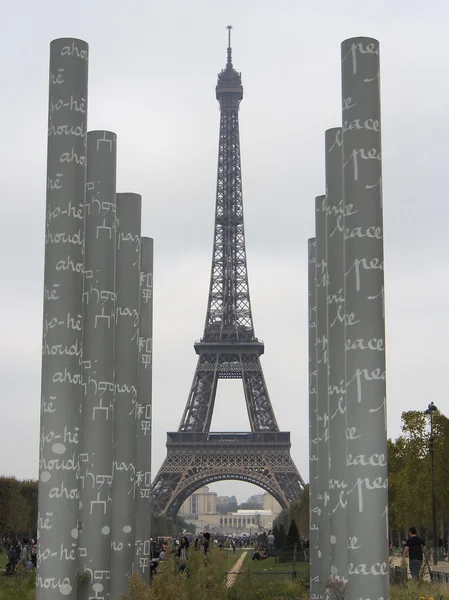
134 238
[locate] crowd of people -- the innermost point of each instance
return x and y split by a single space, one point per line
162 544
21 554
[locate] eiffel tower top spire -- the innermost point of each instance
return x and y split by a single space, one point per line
229 88
229 62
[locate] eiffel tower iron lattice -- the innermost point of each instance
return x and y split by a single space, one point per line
227 350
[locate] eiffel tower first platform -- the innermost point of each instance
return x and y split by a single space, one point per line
228 350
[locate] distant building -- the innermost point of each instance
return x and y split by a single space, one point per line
200 510
270 503
256 499
246 521
202 502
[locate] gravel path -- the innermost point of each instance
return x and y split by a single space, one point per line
235 569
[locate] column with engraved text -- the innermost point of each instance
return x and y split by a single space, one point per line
336 344
322 393
98 364
367 472
127 317
313 431
143 460
57 558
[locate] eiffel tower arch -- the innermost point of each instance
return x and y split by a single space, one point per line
228 350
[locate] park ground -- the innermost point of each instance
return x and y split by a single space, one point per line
232 576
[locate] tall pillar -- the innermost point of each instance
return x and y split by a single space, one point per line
98 364
322 393
57 561
367 481
144 425
313 430
127 316
336 345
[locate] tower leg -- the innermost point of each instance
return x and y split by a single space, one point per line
98 364
62 331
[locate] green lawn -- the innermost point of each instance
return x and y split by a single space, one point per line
271 565
267 579
232 557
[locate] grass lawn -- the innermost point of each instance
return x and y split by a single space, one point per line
269 579
270 565
231 558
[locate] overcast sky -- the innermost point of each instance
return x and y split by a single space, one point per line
153 69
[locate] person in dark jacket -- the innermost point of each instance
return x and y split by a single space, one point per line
206 542
413 549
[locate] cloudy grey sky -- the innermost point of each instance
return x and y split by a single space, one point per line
153 68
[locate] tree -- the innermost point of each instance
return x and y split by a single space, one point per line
16 508
29 491
293 535
232 504
410 476
299 512
223 508
279 541
251 506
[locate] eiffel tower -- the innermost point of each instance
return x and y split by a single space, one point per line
228 350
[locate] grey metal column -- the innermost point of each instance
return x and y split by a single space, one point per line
98 364
322 392
336 345
127 285
364 322
314 508
143 464
57 559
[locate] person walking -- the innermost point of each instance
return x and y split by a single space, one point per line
413 549
270 543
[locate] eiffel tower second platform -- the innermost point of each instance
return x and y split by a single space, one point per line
228 350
